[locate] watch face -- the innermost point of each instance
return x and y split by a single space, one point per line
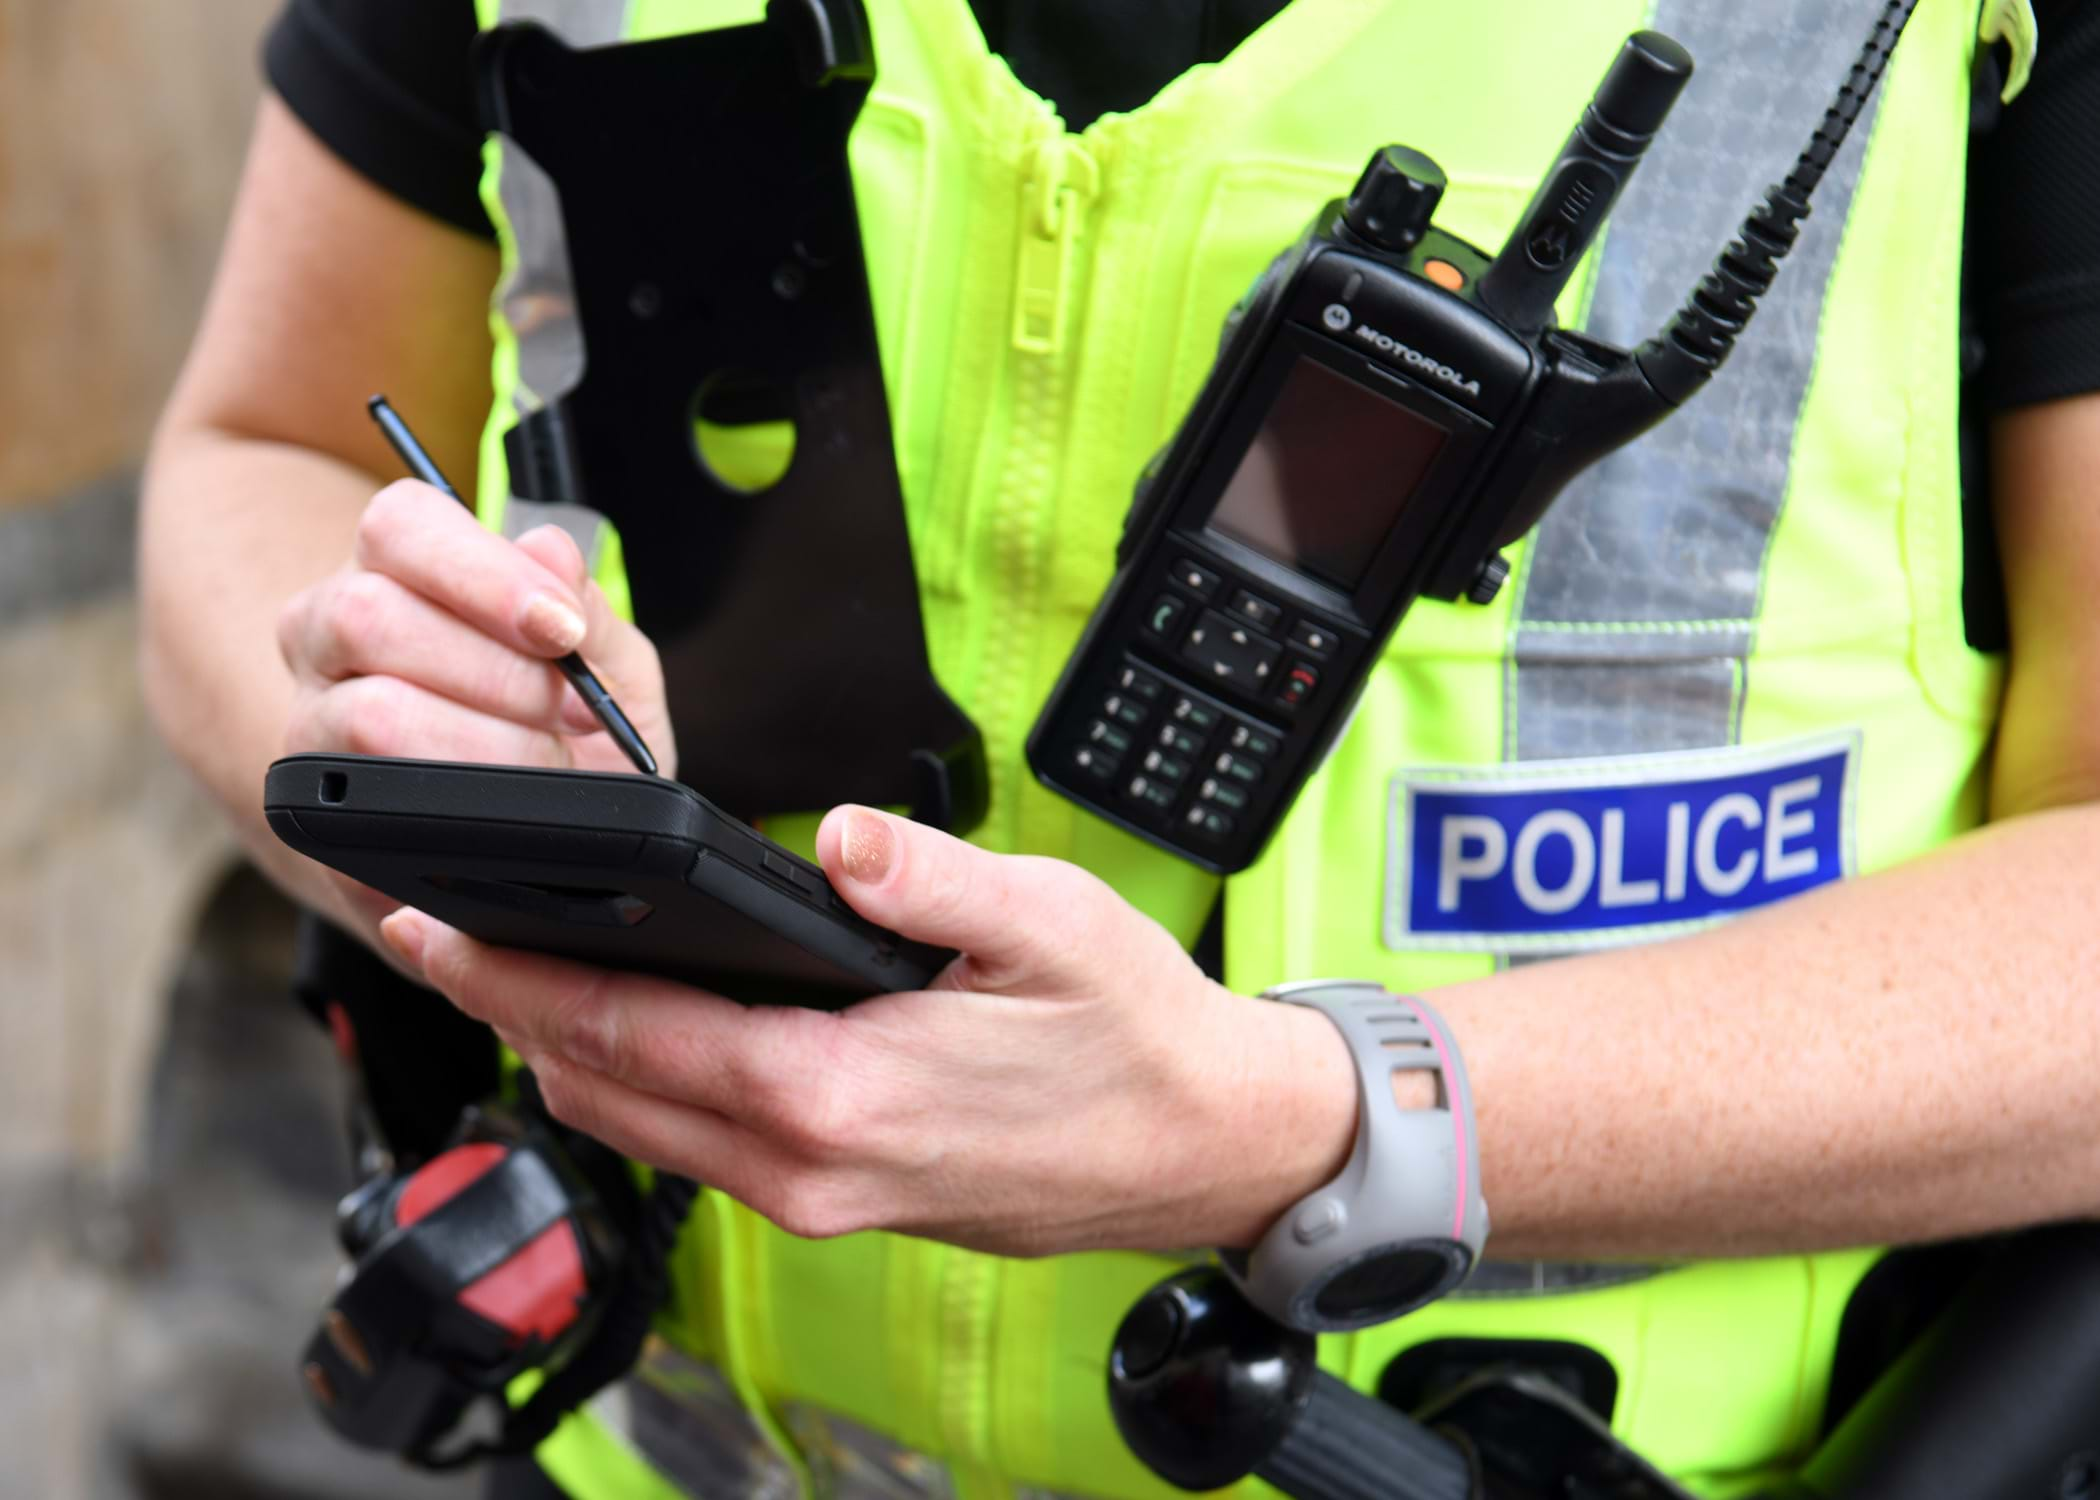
1389 1281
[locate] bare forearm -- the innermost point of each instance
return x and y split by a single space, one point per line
1907 1056
232 528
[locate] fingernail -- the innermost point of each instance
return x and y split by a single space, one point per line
551 625
869 847
405 934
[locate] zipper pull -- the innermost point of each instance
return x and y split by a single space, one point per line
2011 22
1063 178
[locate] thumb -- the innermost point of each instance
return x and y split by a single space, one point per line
1006 912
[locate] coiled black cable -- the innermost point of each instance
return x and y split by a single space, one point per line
1700 335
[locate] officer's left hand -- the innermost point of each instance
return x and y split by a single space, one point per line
1072 1081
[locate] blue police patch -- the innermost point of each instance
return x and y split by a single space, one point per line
1554 856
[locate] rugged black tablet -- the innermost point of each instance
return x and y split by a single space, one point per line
632 872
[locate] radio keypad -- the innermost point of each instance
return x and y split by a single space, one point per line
1162 747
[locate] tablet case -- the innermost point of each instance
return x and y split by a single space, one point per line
627 872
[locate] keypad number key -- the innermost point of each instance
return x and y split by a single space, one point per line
1256 742
1134 683
1180 740
1164 766
1106 736
1153 793
1094 763
1200 717
1130 711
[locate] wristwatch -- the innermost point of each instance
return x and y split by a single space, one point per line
1404 1221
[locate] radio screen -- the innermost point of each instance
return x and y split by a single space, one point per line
1328 474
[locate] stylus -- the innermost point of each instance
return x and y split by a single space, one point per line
593 692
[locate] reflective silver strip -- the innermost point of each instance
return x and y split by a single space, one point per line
537 295
536 298
1640 593
580 23
584 525
682 1418
1509 1279
848 1461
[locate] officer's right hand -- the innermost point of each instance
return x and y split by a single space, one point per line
437 641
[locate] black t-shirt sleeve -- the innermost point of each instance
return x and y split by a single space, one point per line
2034 206
387 86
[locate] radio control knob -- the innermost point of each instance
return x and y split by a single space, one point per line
1487 583
1393 200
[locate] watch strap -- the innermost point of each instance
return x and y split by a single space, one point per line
1404 1221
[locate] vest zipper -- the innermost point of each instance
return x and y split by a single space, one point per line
1063 179
1060 180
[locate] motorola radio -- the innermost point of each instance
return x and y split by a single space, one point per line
1390 407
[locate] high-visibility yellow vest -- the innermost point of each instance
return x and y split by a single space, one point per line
1763 594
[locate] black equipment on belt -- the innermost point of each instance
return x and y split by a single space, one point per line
520 1247
1994 1400
1390 407
484 1238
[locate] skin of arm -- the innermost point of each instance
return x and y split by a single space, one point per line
285 606
1911 1055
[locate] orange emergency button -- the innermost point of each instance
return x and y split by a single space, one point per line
1444 274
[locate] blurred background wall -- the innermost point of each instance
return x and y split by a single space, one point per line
167 1146
121 128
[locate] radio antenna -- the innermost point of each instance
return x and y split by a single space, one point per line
1685 355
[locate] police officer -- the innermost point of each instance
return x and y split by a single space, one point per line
1733 699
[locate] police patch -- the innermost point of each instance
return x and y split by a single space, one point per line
1560 855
